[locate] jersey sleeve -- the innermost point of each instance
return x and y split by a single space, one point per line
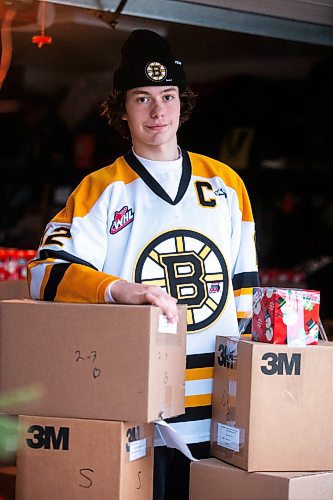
245 274
69 263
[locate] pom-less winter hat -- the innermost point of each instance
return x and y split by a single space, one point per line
146 59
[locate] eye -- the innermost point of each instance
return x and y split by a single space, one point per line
169 97
142 99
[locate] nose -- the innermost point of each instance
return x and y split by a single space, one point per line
157 110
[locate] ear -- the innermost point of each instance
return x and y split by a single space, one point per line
124 117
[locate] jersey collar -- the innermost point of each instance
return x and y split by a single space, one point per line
152 183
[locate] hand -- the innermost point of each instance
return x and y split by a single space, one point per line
124 292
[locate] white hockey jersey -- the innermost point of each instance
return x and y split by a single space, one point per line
199 247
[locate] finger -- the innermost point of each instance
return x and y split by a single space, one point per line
167 304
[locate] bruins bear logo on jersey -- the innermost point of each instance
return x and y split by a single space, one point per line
186 263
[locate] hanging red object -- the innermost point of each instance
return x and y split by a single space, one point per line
42 39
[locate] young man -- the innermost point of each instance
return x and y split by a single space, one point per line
159 225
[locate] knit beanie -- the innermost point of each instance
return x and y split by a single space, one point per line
146 60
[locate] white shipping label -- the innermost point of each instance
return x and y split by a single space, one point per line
137 449
165 326
228 437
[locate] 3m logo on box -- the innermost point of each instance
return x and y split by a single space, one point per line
280 364
227 356
46 437
132 434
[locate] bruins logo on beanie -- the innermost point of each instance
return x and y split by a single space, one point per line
146 59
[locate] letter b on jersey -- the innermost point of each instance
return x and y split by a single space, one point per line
185 274
46 437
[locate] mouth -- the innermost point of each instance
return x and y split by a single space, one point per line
157 127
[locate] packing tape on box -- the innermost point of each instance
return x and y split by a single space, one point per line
168 393
292 308
227 434
232 383
293 318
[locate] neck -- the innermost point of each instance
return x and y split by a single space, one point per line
157 153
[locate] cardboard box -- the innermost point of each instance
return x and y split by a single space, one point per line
272 406
98 361
285 316
212 479
77 459
7 482
14 289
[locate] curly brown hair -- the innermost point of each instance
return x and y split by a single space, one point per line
113 108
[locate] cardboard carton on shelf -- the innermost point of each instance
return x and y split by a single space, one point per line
76 459
272 404
97 361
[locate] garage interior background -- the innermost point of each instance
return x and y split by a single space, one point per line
264 77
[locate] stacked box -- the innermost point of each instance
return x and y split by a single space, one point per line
107 372
272 398
97 361
76 459
271 405
212 479
270 438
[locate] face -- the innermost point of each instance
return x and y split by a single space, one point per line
152 114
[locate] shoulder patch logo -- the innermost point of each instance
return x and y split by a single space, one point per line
214 288
121 219
220 192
